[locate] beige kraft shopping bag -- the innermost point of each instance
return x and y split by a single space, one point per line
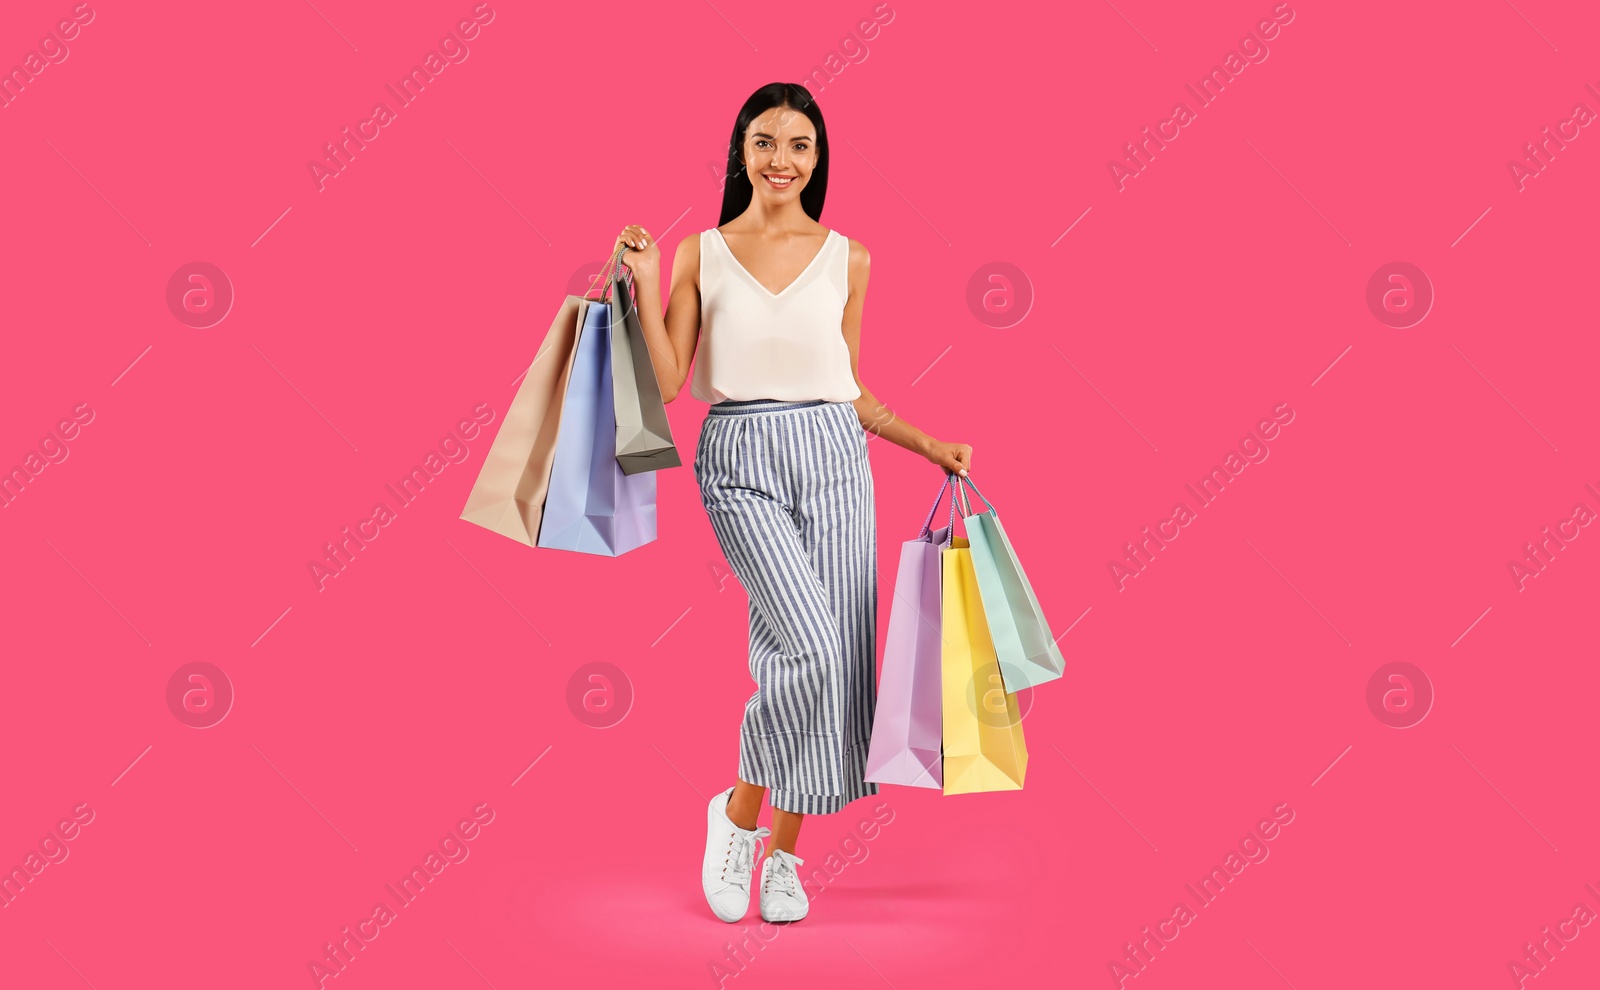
508 496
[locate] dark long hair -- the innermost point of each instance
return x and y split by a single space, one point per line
736 188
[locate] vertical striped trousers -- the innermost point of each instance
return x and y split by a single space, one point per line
788 488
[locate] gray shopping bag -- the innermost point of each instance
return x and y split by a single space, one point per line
644 438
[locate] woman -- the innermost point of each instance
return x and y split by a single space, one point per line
771 300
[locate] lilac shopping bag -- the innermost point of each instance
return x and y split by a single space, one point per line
907 722
592 506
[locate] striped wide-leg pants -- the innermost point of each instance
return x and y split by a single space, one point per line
788 488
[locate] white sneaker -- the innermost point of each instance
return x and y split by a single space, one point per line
782 896
730 859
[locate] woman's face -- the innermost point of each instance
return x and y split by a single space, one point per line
780 151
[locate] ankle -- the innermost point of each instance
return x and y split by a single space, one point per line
742 818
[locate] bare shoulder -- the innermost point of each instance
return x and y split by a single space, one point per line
686 258
860 261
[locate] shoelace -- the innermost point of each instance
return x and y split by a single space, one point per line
741 857
780 876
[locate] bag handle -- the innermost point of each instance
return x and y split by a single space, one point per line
967 481
927 524
608 273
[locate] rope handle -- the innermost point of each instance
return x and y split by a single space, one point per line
962 483
967 481
927 524
609 272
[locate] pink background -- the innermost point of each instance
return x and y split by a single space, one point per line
1230 677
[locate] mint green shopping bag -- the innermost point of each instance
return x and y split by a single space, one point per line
1027 652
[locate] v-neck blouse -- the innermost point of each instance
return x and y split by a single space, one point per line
757 344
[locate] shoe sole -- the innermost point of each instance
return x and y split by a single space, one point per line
781 920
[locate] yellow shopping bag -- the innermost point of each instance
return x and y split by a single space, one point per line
983 747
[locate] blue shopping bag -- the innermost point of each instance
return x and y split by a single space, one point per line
592 506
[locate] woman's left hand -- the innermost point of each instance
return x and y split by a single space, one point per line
953 457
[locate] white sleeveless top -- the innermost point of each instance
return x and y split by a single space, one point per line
757 345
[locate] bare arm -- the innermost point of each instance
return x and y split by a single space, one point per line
671 336
874 415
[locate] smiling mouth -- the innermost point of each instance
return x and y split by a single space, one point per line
780 182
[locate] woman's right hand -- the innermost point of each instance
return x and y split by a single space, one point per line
643 255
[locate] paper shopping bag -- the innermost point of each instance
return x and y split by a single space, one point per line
592 507
644 438
508 496
1027 653
983 745
906 721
